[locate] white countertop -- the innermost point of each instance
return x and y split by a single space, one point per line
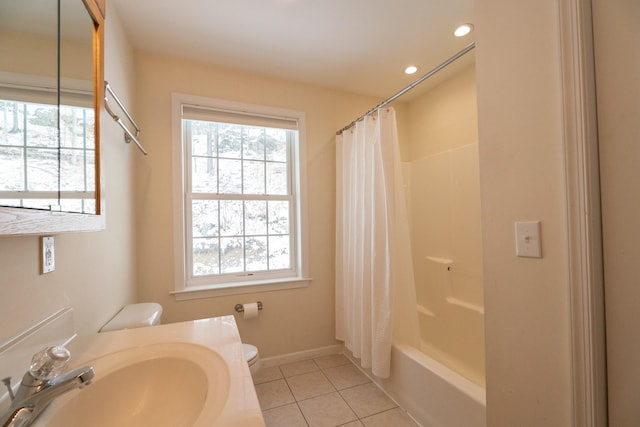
219 334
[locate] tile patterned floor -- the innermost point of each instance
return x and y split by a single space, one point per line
327 391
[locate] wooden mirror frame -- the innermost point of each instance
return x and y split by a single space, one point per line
21 221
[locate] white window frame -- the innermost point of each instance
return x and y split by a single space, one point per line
298 276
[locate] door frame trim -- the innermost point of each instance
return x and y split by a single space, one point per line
586 278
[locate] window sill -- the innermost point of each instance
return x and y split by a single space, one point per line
237 288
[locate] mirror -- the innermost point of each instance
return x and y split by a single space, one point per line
50 96
77 118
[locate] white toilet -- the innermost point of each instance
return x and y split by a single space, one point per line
150 313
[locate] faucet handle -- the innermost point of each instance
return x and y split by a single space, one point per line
50 362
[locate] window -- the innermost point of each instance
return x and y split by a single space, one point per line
238 195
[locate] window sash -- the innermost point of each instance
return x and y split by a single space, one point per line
198 280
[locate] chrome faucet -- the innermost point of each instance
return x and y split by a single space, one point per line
41 384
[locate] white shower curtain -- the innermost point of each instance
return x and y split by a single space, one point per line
368 201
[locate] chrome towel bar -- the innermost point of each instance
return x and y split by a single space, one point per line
128 134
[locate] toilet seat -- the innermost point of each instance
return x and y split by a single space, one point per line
250 353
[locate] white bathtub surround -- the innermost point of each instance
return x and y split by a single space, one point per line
370 224
433 394
447 249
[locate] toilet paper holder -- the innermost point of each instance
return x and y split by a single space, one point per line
239 308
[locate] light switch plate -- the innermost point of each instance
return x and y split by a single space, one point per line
48 254
528 242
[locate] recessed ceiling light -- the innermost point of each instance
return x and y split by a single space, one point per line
411 69
463 30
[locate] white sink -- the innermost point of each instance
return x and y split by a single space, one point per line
181 374
170 384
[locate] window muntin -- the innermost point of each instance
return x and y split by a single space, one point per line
241 206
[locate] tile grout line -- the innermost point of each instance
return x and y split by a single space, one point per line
335 390
341 396
370 381
302 413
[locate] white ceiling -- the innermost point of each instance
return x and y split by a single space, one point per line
360 46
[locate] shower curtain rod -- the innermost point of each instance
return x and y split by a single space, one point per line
408 88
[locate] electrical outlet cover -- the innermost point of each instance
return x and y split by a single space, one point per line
48 255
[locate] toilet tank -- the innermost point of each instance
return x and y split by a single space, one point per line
135 316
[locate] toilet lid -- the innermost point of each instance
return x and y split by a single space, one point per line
135 316
250 352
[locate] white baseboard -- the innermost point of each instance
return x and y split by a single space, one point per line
302 355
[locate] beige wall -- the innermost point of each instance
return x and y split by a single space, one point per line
522 178
292 320
95 272
617 50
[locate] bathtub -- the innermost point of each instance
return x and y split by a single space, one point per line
434 395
